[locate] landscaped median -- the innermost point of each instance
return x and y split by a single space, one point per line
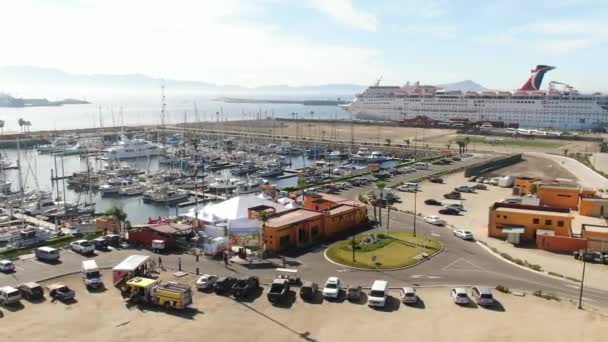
383 251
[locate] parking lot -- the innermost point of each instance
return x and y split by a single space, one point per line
104 316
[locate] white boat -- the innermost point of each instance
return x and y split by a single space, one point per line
113 186
250 186
57 145
271 170
165 195
376 157
132 190
224 184
134 148
361 154
337 155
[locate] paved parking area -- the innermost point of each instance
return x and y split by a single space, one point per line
104 316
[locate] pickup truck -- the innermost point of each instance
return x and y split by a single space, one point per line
278 291
82 247
245 287
31 291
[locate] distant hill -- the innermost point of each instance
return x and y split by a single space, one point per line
466 85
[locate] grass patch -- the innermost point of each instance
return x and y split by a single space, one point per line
392 250
522 142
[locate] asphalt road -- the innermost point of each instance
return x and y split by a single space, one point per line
460 263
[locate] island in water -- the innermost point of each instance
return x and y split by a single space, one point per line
14 102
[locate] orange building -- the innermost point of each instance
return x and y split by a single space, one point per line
593 206
517 222
322 217
524 184
558 195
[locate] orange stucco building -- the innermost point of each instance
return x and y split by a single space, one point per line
528 221
558 195
593 206
524 184
323 216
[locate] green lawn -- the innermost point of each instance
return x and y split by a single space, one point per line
391 252
523 142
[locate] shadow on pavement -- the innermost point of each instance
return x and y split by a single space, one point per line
418 305
392 304
362 300
303 335
288 301
316 299
255 294
14 307
497 306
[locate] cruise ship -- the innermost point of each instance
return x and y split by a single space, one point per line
560 107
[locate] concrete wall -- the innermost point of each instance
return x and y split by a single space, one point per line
491 165
560 243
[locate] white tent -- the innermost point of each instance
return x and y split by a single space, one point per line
233 209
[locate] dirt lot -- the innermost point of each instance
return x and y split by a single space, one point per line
103 316
535 167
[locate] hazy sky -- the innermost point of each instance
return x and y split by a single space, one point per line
257 42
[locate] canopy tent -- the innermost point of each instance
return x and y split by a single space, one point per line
233 209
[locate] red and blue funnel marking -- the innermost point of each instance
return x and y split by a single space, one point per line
536 79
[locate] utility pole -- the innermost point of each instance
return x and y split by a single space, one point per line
353 247
163 105
580 296
415 214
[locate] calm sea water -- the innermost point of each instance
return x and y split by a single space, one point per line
145 109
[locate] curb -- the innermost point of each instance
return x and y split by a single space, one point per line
544 273
383 269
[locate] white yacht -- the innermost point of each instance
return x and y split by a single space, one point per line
134 148
250 186
361 154
223 184
165 194
376 157
114 185
337 155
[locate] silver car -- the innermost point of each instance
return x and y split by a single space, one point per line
482 295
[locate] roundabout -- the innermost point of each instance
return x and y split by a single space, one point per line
382 251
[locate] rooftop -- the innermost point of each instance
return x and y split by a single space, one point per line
532 211
291 217
340 209
170 228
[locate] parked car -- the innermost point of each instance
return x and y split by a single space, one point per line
437 180
480 179
463 234
456 206
9 295
354 293
435 220
449 211
61 292
408 295
206 282
332 288
464 188
223 285
245 287
482 295
279 289
432 201
459 295
473 178
456 158
82 246
31 291
479 186
114 240
453 195
591 256
101 244
45 253
7 266
308 290
408 187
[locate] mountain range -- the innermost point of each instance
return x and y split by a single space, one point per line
37 76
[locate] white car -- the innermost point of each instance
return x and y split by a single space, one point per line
408 295
332 288
459 295
436 220
206 281
7 266
463 234
82 246
408 187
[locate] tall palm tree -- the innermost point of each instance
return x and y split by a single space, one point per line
467 141
302 183
118 214
21 122
263 216
2 126
380 185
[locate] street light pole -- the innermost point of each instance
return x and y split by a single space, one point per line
415 192
353 247
580 297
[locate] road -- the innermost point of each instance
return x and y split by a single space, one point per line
585 175
460 263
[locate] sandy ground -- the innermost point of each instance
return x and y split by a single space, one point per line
103 316
475 218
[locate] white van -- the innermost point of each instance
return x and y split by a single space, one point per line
9 295
90 274
47 253
378 294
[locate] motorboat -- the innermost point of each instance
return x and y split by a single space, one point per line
57 145
271 170
132 190
376 157
247 167
361 154
224 185
165 194
134 148
250 186
337 155
113 186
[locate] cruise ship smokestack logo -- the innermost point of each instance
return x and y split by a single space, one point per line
536 79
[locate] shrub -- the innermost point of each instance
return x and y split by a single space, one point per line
573 279
547 296
382 236
519 262
556 274
506 256
503 289
534 267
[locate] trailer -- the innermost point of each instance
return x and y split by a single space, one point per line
131 267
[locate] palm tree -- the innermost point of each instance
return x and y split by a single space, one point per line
380 185
461 145
302 183
2 126
118 214
467 141
388 141
388 217
263 216
21 123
